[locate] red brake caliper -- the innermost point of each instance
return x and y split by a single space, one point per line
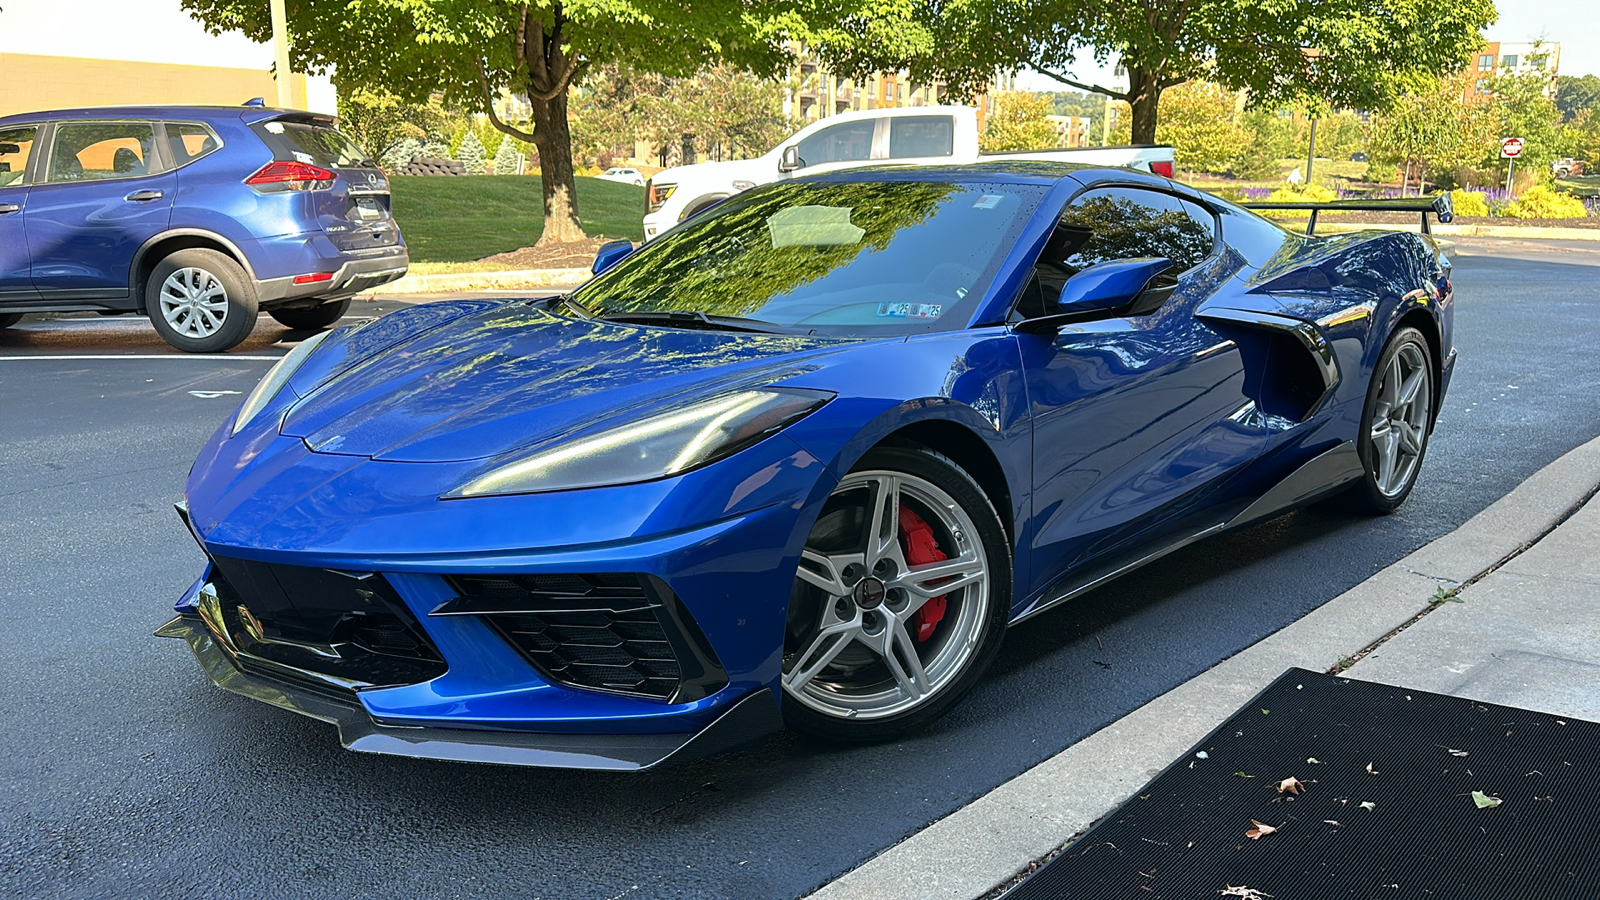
916 538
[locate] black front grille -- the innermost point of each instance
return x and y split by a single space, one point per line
622 633
349 626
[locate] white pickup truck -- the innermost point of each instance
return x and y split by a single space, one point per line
920 135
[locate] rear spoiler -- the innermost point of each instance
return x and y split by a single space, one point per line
1440 206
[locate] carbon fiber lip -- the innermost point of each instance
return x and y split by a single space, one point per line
745 722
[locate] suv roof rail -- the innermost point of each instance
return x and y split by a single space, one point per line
257 102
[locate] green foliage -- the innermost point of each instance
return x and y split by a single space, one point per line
472 155
1576 94
1469 203
1340 135
1018 123
1541 202
462 219
436 148
1075 103
1305 193
1268 137
1201 121
378 120
1346 53
401 154
505 159
1523 110
1432 133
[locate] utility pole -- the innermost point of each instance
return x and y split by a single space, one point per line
1311 154
280 53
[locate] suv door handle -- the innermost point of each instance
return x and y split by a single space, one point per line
8 208
141 196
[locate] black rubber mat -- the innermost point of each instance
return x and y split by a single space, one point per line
1385 808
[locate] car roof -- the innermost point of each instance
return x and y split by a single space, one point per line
246 113
1002 171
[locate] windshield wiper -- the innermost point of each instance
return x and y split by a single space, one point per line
694 318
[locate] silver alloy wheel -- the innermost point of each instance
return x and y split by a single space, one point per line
1399 427
194 302
870 595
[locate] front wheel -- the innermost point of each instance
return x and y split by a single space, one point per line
319 316
200 301
1395 423
900 601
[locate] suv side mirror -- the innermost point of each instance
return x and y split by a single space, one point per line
790 160
1119 287
610 254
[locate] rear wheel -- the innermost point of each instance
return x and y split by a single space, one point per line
9 319
900 601
200 301
1395 423
320 316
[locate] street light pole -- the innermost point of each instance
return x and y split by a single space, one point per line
280 54
1311 153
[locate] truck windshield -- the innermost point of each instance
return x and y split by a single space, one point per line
841 258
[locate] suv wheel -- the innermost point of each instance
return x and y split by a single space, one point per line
200 301
9 319
319 316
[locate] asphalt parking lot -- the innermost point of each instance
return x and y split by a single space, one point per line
125 773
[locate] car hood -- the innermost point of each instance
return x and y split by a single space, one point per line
514 376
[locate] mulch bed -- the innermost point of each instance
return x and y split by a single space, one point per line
570 255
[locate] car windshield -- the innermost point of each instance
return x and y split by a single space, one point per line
840 258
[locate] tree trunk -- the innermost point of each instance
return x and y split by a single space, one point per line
553 137
1144 95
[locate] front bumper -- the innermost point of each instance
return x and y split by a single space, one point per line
234 669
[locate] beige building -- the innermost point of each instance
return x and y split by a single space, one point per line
60 82
813 92
1497 58
1071 131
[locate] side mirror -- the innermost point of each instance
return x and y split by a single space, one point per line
609 255
790 160
1120 287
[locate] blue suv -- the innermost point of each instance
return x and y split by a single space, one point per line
198 217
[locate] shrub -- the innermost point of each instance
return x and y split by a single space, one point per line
1308 193
1469 203
1543 203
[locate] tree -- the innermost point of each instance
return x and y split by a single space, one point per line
1269 137
378 120
505 159
469 51
472 155
1347 53
1524 110
1576 94
1432 134
1018 123
1201 123
401 154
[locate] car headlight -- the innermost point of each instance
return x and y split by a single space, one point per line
276 378
666 444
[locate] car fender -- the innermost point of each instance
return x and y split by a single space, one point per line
141 256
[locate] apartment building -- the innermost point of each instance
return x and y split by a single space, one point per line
1500 58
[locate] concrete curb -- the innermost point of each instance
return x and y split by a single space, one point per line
480 281
987 843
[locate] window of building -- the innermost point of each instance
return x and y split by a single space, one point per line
1483 86
1485 62
1509 61
1538 62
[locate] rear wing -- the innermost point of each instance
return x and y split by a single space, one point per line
1440 206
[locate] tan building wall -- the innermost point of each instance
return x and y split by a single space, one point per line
29 83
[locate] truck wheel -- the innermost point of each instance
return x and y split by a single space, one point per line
320 316
200 301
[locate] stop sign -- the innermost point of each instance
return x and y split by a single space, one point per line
1510 148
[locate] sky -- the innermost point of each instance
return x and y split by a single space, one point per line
160 31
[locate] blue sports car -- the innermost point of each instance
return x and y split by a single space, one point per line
799 461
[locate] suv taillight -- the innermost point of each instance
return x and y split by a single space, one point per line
285 175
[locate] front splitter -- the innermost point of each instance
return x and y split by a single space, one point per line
746 722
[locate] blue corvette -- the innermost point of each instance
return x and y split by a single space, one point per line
799 461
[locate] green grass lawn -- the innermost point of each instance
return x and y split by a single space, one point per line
447 220
1583 185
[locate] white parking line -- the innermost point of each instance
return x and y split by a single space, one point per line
143 356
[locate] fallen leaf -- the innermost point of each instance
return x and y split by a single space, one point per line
1368 805
1371 770
1290 785
1202 755
1333 822
1257 830
1247 893
1242 775
1457 752
1484 801
1265 711
1312 760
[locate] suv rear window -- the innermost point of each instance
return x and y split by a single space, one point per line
316 142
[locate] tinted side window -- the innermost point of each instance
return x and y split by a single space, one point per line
95 151
841 143
189 141
915 136
1121 223
316 142
16 145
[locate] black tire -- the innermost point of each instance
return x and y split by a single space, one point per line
1376 492
231 316
311 317
9 319
839 687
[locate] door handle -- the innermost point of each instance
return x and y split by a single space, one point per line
142 196
8 208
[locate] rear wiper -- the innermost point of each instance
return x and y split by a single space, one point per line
694 318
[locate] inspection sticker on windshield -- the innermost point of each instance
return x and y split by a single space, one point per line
911 310
988 201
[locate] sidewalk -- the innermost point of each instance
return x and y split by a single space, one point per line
1525 632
